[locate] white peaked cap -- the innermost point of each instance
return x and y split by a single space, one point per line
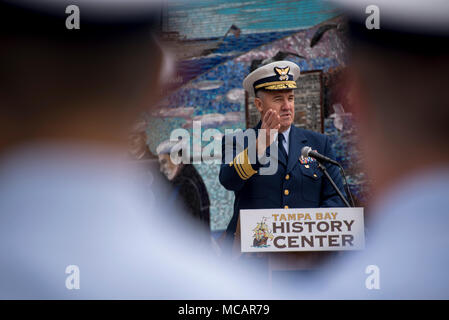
278 75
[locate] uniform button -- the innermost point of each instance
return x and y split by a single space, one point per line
285 207
286 192
287 177
315 175
307 166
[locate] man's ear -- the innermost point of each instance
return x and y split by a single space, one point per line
259 104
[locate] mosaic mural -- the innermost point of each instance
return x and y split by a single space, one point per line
217 98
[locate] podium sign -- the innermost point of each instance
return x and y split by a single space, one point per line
316 229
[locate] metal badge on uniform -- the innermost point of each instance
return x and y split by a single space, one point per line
306 161
282 73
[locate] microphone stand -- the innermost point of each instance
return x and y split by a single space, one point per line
347 189
323 168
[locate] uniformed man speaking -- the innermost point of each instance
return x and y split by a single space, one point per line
297 182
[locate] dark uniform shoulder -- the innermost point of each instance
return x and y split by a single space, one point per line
315 140
313 135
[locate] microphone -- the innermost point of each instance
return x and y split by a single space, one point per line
307 152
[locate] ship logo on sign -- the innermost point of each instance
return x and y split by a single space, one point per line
261 234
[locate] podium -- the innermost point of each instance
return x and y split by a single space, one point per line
298 239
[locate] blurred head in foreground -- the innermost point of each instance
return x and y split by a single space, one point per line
399 85
83 84
75 222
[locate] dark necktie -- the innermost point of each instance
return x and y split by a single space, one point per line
281 148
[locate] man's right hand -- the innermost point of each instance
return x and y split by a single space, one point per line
271 122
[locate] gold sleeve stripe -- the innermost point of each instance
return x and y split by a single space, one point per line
249 171
240 171
242 162
238 167
243 159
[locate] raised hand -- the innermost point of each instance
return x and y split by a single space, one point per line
271 121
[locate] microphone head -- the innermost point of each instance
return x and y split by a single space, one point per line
305 151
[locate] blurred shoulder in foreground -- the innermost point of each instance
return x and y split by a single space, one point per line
399 83
68 195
